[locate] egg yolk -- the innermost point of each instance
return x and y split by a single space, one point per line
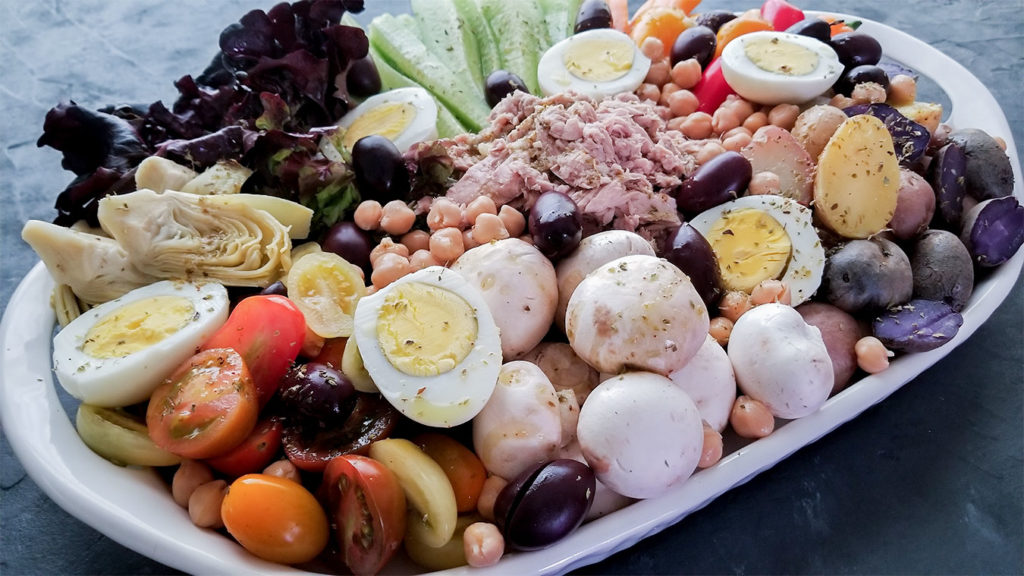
599 59
387 120
137 326
751 246
781 57
425 330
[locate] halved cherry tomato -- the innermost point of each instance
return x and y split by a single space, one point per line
332 351
712 89
268 331
254 453
310 446
463 468
367 510
206 407
275 518
663 23
781 14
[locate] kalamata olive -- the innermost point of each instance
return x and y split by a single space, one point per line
276 288
697 42
348 241
501 83
917 326
813 27
856 49
555 224
362 78
310 445
910 138
691 253
379 168
545 503
714 19
593 14
317 391
860 75
946 174
725 177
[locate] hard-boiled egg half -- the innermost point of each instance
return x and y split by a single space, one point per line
117 353
403 115
596 63
431 346
778 67
766 237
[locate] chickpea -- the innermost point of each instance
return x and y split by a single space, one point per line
751 418
765 182
667 91
711 452
708 152
388 268
416 240
648 91
697 125
446 245
733 304
514 221
653 48
283 469
723 120
872 356
755 121
443 213
483 544
659 72
784 115
868 93
682 103
768 291
737 141
741 107
367 215
397 218
488 495
421 259
204 504
720 329
489 227
902 90
190 475
686 73
468 240
479 205
387 246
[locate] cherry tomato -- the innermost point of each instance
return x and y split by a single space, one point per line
206 407
268 331
463 468
311 446
275 518
254 453
332 352
367 509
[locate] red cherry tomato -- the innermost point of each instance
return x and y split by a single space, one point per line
275 518
254 453
781 14
206 407
311 446
268 331
712 89
367 508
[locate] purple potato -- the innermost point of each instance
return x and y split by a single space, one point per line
993 230
910 138
943 269
545 503
868 275
689 251
946 174
917 326
725 177
988 171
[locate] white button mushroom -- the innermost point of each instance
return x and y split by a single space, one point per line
520 425
606 500
709 380
781 360
564 368
636 312
519 285
593 251
640 433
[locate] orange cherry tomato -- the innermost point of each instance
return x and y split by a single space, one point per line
663 23
737 27
368 511
206 407
275 518
463 468
268 331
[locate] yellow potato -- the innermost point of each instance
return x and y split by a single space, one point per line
858 178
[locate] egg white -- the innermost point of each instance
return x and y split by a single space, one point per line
423 125
447 399
807 259
765 87
130 379
554 77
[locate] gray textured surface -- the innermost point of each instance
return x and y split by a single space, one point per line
930 481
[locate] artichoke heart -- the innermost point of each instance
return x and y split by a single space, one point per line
175 234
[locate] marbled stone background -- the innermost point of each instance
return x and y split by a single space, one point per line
931 481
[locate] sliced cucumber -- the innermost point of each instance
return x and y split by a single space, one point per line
446 34
487 47
120 438
447 124
560 18
395 39
521 34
